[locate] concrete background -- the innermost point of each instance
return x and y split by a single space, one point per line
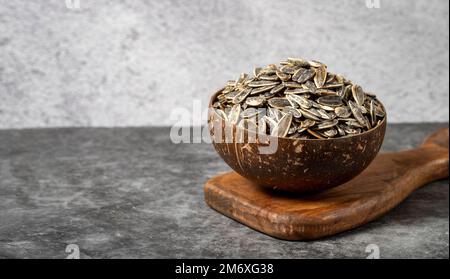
121 63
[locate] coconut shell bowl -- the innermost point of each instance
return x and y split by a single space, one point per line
294 165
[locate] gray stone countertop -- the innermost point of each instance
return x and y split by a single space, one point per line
132 193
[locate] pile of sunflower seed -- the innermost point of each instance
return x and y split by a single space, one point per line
298 99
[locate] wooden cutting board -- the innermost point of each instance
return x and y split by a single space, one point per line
385 183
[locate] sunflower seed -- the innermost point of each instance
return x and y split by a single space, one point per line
228 89
307 114
268 95
373 116
379 111
363 109
262 83
342 112
259 90
221 114
231 83
292 129
324 114
277 89
298 62
304 75
283 76
350 131
242 95
216 105
368 126
330 133
327 108
345 92
278 102
339 78
358 94
295 112
250 112
340 130
315 64
301 130
301 101
332 101
327 124
247 81
307 123
267 72
332 85
275 114
357 113
314 112
326 92
233 116
262 126
271 123
320 77
282 128
292 84
332 115
288 69
310 86
271 77
231 95
255 101
242 77
296 91
256 71
293 104
354 123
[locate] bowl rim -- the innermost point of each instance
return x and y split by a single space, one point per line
383 122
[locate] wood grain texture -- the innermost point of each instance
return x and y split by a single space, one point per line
384 184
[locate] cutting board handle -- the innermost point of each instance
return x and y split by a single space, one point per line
439 138
429 162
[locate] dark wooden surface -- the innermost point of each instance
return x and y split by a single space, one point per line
384 184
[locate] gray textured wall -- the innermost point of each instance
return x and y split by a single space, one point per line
117 63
